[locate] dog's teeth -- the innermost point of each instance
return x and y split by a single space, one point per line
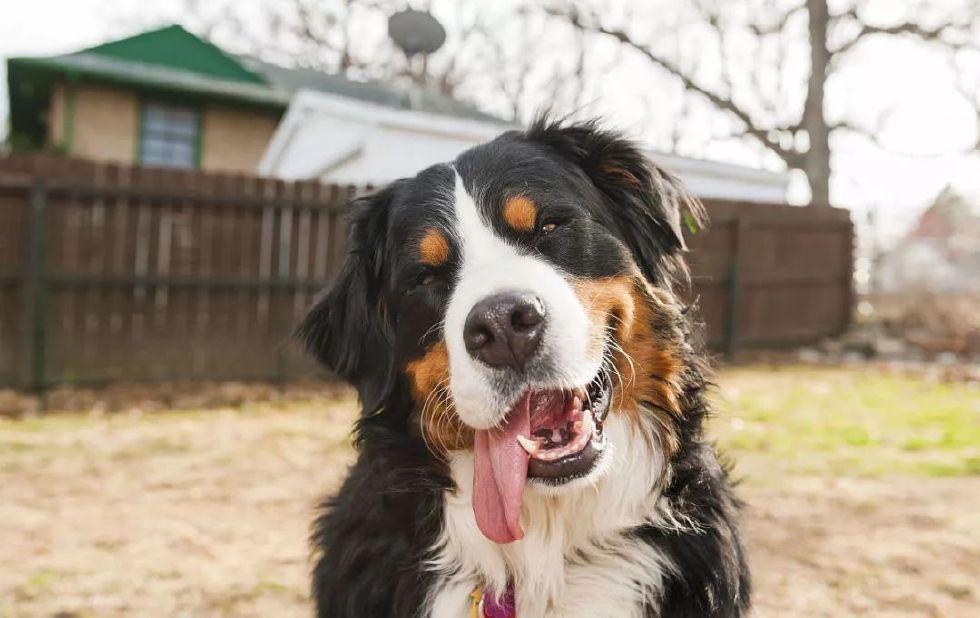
528 445
577 402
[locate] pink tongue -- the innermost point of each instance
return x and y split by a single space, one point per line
499 475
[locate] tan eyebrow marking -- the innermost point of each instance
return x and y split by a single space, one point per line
433 248
520 213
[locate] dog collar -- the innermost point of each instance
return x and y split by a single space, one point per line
483 604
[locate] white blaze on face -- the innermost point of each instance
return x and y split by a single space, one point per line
490 265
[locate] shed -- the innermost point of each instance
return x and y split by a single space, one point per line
350 140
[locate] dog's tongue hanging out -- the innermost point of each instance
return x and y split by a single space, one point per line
500 471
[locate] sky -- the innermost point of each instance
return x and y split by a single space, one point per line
924 141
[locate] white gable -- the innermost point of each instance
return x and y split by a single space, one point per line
347 141
343 140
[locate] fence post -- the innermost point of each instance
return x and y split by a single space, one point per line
279 316
735 284
35 288
847 311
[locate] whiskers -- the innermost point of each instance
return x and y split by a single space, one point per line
613 348
437 419
432 329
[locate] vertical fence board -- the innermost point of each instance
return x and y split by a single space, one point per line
12 252
35 291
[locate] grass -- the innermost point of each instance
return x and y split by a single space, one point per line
771 420
846 422
85 439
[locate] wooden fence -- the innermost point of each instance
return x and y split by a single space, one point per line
112 273
773 276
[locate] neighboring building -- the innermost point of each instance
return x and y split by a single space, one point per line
337 139
169 98
164 97
941 252
714 180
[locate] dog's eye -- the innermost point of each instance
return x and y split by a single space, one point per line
426 279
548 228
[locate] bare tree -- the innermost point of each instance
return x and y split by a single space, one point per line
770 111
502 58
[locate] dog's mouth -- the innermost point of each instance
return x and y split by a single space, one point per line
566 431
549 436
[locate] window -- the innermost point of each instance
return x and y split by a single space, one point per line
169 135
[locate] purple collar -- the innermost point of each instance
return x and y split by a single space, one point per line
504 608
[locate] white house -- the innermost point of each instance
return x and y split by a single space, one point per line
346 140
350 141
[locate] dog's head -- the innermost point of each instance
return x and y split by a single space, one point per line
520 298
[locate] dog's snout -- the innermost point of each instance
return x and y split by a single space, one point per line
504 330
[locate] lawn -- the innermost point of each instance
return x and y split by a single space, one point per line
846 422
861 489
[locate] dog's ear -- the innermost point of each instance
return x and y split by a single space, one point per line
647 205
348 329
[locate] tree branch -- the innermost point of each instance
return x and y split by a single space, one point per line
776 26
939 34
874 137
790 157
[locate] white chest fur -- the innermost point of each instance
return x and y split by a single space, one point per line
577 558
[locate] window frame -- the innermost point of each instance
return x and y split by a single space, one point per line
198 112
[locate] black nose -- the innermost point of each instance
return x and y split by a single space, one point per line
504 330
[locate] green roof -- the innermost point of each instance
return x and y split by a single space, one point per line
172 61
177 49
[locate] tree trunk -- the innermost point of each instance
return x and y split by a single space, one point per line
816 160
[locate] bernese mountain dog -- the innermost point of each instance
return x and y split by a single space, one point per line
530 440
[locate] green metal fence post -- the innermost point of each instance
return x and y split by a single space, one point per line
35 289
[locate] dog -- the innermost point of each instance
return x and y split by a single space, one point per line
530 441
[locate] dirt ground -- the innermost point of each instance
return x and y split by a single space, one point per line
206 514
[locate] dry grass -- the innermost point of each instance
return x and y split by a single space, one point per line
206 513
187 513
933 322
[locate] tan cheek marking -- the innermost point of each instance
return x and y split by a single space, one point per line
441 427
608 302
648 362
520 213
433 248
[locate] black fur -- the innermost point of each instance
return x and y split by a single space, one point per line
648 205
346 329
712 575
371 539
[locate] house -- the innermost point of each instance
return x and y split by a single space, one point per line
343 140
940 253
337 139
169 98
